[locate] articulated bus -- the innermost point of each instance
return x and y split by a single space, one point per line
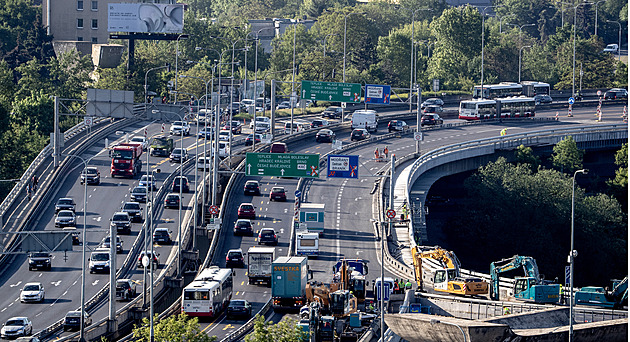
209 293
533 88
511 89
512 107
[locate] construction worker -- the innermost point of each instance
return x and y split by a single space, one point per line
504 132
385 151
408 285
396 287
506 310
28 191
376 155
561 295
404 211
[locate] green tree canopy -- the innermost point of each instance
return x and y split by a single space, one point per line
177 327
566 156
284 331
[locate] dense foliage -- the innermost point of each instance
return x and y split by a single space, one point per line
174 328
283 331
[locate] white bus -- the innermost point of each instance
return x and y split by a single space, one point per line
209 293
511 107
495 91
477 109
533 88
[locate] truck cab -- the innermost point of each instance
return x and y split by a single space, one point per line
526 288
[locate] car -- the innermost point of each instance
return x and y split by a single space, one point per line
172 200
325 135
16 327
249 140
178 155
542 98
92 175
224 135
246 210
267 236
616 94
431 119
156 261
262 127
142 140
359 134
278 147
235 126
251 187
148 180
39 261
183 181
106 243
66 218
75 235
125 289
27 339
65 203
319 123
263 103
243 227
162 236
332 112
234 257
72 321
32 292
134 210
247 103
397 126
205 133
122 222
432 101
99 261
277 193
234 108
433 109
258 120
614 48
284 105
177 127
239 308
139 194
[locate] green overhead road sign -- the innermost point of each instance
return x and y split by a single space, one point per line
282 165
331 91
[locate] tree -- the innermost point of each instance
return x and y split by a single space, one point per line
284 331
179 327
525 155
566 156
619 184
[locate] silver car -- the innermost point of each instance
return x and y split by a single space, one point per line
16 327
65 218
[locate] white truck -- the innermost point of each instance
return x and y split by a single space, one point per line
313 215
259 260
307 244
365 118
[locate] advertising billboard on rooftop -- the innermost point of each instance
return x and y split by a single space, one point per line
145 17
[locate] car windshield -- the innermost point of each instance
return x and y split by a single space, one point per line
31 288
137 139
247 207
91 171
100 257
15 322
277 190
178 123
145 178
160 232
39 255
234 254
65 214
140 190
267 233
243 223
237 303
65 201
177 151
132 206
120 218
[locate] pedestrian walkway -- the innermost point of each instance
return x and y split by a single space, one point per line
400 233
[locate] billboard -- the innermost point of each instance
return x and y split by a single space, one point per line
377 93
145 17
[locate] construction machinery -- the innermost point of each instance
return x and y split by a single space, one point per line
350 273
599 296
447 278
529 288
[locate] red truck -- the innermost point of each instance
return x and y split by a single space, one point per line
126 160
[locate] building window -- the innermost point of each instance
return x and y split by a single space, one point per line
94 40
79 5
80 23
80 39
94 5
94 23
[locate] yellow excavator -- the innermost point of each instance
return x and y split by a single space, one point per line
447 278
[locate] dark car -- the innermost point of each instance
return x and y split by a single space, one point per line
249 139
616 94
65 203
325 135
432 101
178 155
125 289
234 258
243 227
397 126
251 187
139 194
39 261
106 243
134 210
319 123
172 201
359 134
332 112
92 175
235 126
239 308
431 119
267 236
162 236
278 194
122 222
233 109
433 109
156 261
246 210
278 147
205 133
542 98
184 181
72 321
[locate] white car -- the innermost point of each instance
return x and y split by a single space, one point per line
247 103
224 135
611 48
258 120
16 327
142 140
32 292
262 127
178 126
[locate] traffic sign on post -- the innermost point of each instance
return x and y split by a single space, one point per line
571 100
343 166
282 165
214 210
391 213
377 93
599 93
417 136
298 194
331 91
385 289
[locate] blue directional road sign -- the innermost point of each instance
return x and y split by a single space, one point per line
386 289
343 166
571 100
298 193
567 275
377 93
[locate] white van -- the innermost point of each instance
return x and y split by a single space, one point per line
365 118
307 244
99 261
297 127
258 120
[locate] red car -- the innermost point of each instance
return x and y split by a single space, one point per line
277 193
247 210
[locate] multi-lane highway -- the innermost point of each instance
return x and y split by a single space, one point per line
349 231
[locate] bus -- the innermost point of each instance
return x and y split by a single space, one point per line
511 107
495 91
533 88
209 293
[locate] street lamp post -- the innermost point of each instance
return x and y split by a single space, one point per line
574 29
619 47
520 52
256 88
146 78
292 85
345 31
483 24
149 265
185 36
596 4
572 253
411 68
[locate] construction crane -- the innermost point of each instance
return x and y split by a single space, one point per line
529 288
598 296
447 278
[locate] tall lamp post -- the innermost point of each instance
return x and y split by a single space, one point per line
574 29
148 262
146 78
256 87
572 253
520 52
483 25
618 48
596 4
